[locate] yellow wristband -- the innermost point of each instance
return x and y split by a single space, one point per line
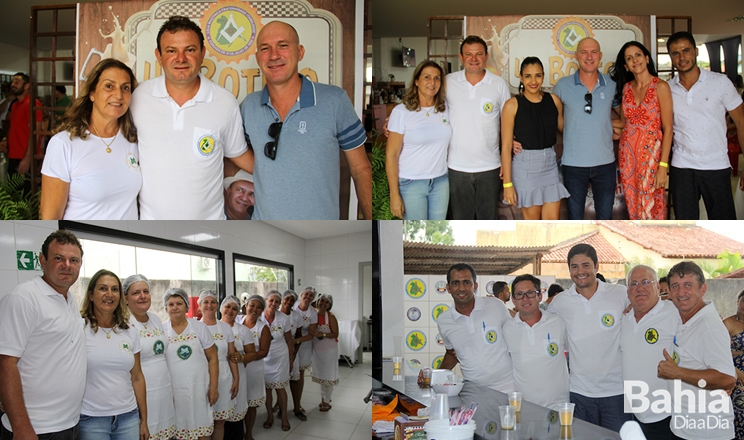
508 185
664 164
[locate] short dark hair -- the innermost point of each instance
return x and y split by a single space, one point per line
687 268
554 290
61 237
664 280
61 89
601 277
474 39
460 266
681 35
583 249
26 79
526 277
180 23
499 286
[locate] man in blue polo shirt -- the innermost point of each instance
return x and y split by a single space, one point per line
296 128
588 154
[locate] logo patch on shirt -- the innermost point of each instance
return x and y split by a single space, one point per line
206 144
124 346
675 357
652 336
184 352
158 347
491 427
303 127
491 336
488 107
552 349
608 320
132 161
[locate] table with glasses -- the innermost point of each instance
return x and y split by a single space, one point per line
533 421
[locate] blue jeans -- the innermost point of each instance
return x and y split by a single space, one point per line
603 179
607 412
122 427
425 199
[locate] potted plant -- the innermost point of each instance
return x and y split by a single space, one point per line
15 202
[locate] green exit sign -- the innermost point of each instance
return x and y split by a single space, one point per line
28 260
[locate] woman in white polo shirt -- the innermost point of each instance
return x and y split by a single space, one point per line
416 152
161 416
115 401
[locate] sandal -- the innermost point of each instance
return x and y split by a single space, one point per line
325 407
300 415
286 427
267 424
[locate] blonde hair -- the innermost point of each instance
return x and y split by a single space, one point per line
121 314
411 98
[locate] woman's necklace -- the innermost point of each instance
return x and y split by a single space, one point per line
737 317
108 333
427 110
108 146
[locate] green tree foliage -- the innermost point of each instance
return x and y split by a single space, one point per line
15 202
727 262
380 187
429 231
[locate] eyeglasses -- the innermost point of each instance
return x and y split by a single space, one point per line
528 294
271 146
644 283
588 105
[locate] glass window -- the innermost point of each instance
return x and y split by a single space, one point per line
259 276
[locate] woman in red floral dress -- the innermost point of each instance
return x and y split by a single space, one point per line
646 139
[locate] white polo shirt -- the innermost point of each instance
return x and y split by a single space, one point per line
181 150
475 117
45 332
700 121
703 343
479 343
642 346
593 336
540 369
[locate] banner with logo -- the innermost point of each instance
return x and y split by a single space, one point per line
128 31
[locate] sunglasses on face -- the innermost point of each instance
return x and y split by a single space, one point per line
271 146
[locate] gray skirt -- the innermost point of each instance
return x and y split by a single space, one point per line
536 178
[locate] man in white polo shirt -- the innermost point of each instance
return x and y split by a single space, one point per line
472 333
475 98
591 311
536 342
701 360
644 334
42 348
186 125
700 164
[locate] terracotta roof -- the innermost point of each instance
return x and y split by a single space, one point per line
435 259
739 273
606 253
675 240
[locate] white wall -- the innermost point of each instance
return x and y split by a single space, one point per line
384 49
14 58
332 266
391 275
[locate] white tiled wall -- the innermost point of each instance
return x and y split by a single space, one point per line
332 266
334 261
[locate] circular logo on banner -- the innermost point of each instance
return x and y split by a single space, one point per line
652 336
184 352
416 288
441 286
414 314
437 362
608 320
489 287
568 32
158 347
438 309
552 349
206 144
416 340
491 336
230 30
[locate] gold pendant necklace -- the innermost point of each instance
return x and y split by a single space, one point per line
427 111
108 333
108 146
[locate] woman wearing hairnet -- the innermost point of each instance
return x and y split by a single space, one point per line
279 360
325 351
254 371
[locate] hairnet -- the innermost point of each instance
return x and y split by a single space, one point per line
176 291
131 279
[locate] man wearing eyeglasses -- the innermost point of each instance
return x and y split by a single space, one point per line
700 363
591 311
700 164
297 128
186 125
645 332
472 333
536 342
588 153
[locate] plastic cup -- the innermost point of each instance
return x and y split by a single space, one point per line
565 411
441 429
508 416
397 362
439 407
515 400
427 376
397 377
566 433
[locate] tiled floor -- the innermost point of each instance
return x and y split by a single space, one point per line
350 418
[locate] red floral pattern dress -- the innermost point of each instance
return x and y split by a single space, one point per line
640 153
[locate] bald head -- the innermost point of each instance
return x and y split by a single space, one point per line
589 55
281 27
278 54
